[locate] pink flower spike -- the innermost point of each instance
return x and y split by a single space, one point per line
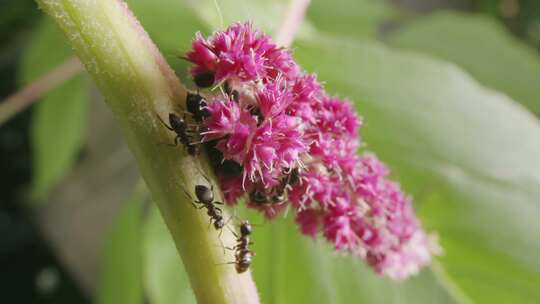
288 144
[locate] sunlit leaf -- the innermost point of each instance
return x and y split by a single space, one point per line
356 18
481 46
218 14
171 25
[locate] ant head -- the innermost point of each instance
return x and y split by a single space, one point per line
278 198
204 194
245 228
193 149
294 177
177 122
258 197
193 102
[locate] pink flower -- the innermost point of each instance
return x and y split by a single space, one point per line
241 53
406 260
274 97
203 58
232 188
296 148
309 221
340 226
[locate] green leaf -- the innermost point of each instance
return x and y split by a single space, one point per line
59 120
483 47
356 18
290 268
171 25
122 258
57 133
164 278
218 14
470 156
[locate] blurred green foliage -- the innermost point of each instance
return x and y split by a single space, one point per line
59 120
481 46
122 257
468 154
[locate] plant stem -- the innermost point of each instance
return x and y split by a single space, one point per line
293 18
138 85
23 98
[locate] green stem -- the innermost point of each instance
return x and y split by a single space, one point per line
138 85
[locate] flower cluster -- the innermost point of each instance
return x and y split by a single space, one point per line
281 141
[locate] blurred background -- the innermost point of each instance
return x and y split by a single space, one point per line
449 91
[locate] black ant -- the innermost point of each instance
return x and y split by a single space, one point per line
196 105
277 195
243 255
179 126
205 199
262 198
233 94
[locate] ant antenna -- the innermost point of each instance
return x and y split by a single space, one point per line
164 123
186 192
206 178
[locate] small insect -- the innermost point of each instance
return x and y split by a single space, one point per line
196 105
293 177
205 199
258 115
243 255
233 94
179 126
259 197
263 199
277 195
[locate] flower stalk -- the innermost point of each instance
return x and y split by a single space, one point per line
139 86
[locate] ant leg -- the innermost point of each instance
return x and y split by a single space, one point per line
207 179
166 125
197 206
186 192
233 232
225 247
221 241
175 143
218 203
226 224
228 263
